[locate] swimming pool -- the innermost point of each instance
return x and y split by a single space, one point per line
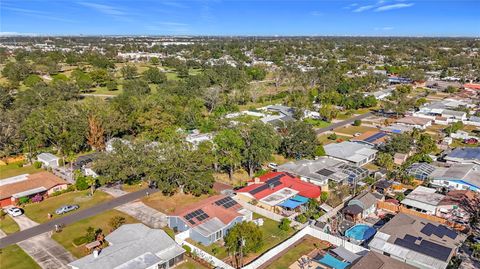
360 232
331 261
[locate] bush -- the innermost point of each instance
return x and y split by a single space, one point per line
37 164
302 218
37 198
20 164
320 151
324 196
24 200
116 222
81 183
188 249
357 122
332 136
285 224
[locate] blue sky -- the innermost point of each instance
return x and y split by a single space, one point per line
246 17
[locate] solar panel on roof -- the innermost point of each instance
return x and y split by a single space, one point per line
439 231
374 137
325 172
191 221
274 182
425 247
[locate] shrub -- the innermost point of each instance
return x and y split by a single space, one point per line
20 164
24 200
324 196
37 198
302 218
37 164
81 183
357 122
116 222
285 224
332 136
188 249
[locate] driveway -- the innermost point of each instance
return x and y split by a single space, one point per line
144 213
44 250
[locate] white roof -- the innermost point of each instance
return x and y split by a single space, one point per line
350 151
47 157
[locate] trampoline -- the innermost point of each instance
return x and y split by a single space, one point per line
331 261
360 232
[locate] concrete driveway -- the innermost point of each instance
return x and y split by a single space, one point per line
149 216
44 250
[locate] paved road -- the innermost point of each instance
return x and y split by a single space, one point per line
82 214
343 123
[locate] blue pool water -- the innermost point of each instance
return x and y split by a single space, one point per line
360 232
333 262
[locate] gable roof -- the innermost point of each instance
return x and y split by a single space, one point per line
38 182
375 260
132 246
414 120
350 151
275 181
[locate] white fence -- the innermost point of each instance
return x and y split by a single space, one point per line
207 257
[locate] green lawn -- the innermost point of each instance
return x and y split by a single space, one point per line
317 123
8 225
190 264
39 211
12 169
295 253
325 141
13 257
78 229
351 130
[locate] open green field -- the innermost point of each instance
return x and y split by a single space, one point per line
8 225
303 248
39 211
13 257
12 169
79 228
317 123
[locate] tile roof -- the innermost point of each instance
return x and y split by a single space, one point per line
375 260
286 180
38 180
414 120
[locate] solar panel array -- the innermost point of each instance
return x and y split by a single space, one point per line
199 214
325 172
374 137
424 246
439 231
226 202
273 182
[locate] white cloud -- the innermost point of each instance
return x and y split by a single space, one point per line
393 6
105 9
363 8
386 28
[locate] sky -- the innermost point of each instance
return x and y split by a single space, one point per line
241 17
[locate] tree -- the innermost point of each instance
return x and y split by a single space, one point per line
320 151
357 122
229 148
136 87
425 144
80 181
399 143
244 237
111 85
153 75
285 224
100 76
385 160
327 112
16 71
96 133
129 71
299 140
32 80
92 182
454 127
260 142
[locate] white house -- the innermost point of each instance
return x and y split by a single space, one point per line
48 160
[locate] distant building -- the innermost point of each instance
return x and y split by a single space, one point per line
278 191
423 199
415 122
134 246
195 138
356 153
29 185
373 138
464 155
417 241
210 219
362 205
48 160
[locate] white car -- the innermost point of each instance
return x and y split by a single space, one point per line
273 165
14 211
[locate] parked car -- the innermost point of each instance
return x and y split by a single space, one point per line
66 208
273 165
14 211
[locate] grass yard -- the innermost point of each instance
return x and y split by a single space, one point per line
325 141
12 169
293 254
134 187
215 249
8 225
13 257
238 179
39 211
351 130
78 229
168 204
317 123
190 264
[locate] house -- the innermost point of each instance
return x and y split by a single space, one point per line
459 206
209 220
374 260
423 199
457 177
381 94
355 153
48 160
383 186
134 246
373 138
464 155
454 116
397 128
278 191
29 185
417 241
362 205
324 169
415 122
195 137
